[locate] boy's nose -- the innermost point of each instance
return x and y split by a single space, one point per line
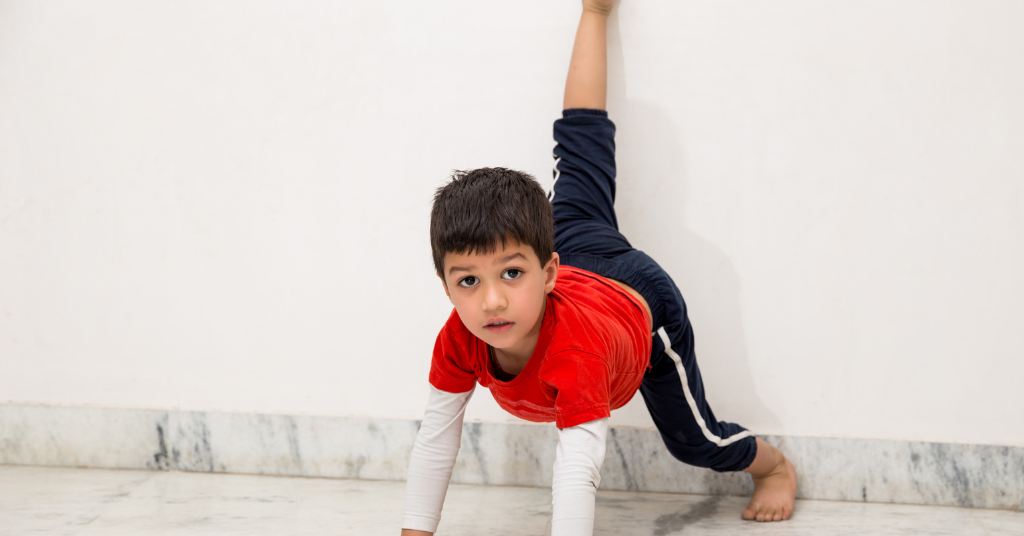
494 298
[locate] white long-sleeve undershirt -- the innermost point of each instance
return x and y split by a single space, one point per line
578 460
577 473
432 459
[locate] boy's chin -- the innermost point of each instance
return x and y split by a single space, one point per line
500 341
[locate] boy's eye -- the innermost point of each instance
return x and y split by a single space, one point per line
467 281
512 273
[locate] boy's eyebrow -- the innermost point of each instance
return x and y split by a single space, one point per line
503 260
453 269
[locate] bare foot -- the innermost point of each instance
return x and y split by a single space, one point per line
774 485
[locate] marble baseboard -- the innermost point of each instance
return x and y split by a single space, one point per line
506 454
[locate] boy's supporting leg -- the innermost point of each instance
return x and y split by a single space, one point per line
774 485
674 393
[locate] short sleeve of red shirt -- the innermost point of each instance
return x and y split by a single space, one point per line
578 383
451 369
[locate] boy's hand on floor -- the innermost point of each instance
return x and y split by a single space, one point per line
604 7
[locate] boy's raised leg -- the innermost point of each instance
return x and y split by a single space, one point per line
774 485
587 83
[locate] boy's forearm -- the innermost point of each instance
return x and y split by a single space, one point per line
431 461
587 83
577 474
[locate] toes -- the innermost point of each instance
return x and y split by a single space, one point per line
766 515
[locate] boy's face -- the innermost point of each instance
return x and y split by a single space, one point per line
500 296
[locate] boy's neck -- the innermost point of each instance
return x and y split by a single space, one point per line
511 363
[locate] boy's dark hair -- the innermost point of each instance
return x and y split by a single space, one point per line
483 207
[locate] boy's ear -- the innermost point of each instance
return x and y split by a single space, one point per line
445 285
550 273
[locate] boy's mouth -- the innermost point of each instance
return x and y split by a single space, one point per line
499 327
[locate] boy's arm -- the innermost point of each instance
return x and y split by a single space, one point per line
432 459
587 83
577 473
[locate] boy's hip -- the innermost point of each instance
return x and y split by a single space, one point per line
634 268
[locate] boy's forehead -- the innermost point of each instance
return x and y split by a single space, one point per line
499 255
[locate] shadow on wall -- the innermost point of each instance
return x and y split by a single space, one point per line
651 199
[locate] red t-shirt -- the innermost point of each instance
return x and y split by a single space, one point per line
591 355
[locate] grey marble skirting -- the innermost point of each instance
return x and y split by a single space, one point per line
508 454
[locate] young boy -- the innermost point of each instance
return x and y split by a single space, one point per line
564 321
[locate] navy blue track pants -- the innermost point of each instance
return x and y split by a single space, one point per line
587 236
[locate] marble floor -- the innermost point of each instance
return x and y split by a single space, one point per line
85 502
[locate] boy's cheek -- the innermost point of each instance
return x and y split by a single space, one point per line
467 319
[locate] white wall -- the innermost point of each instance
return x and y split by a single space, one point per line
223 205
